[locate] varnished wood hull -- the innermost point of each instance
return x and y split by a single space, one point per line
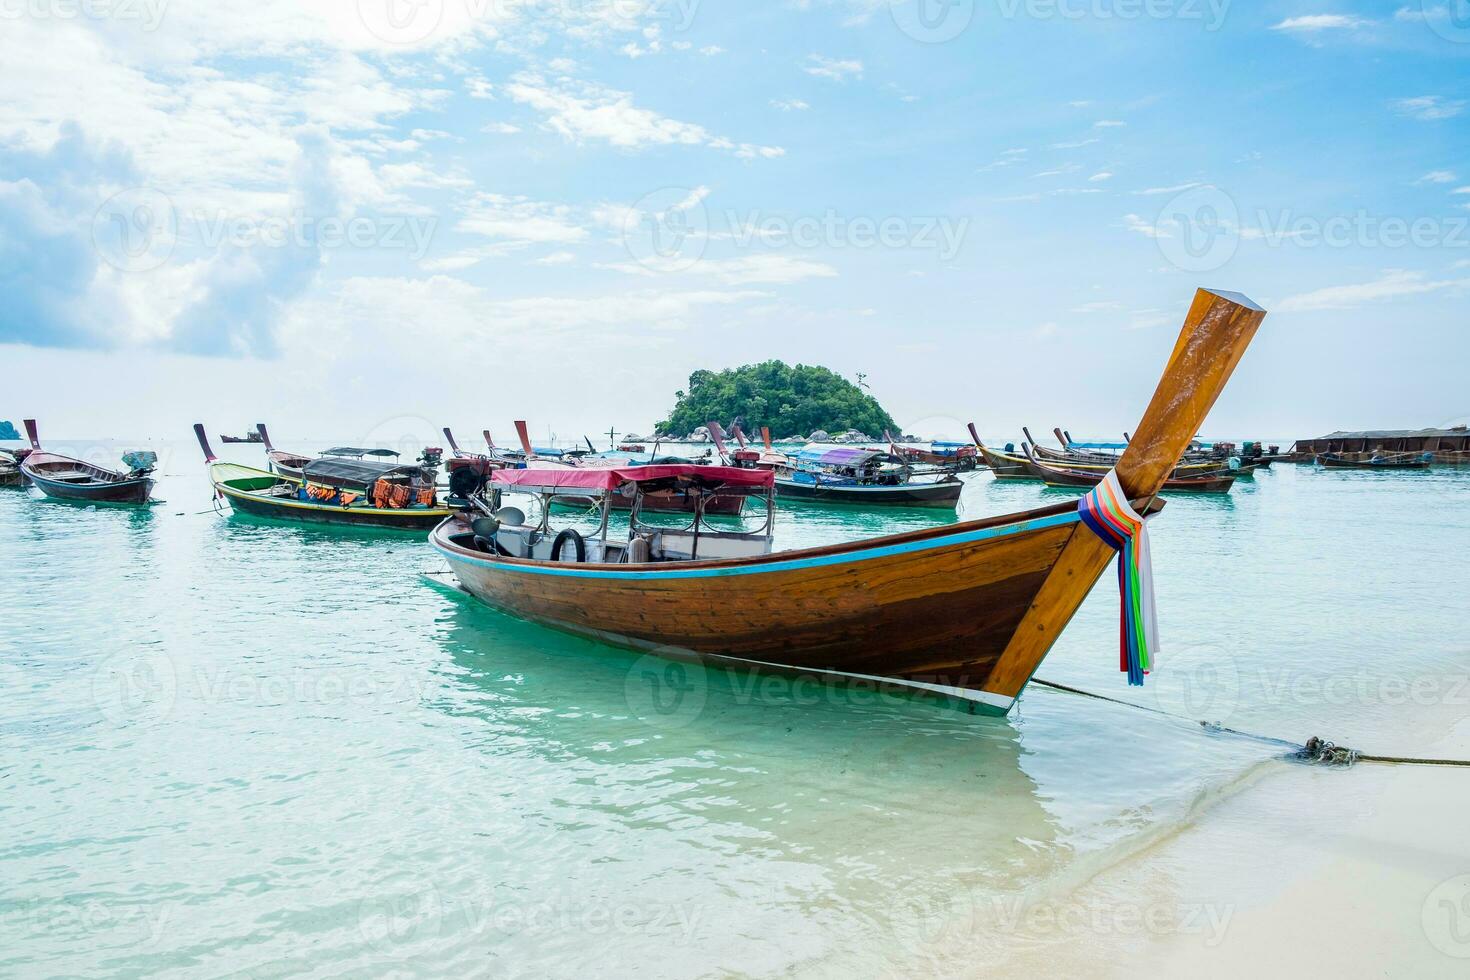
1087 479
1004 467
945 494
934 607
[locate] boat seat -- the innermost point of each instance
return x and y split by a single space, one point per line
69 476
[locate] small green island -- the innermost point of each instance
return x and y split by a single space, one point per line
793 401
8 433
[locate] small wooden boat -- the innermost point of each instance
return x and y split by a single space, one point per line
966 610
632 447
337 491
1100 462
1213 481
10 474
831 474
279 460
1375 461
64 478
1003 465
955 458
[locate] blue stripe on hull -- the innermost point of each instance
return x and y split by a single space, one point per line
882 551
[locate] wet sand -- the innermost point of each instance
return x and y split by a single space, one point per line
1362 872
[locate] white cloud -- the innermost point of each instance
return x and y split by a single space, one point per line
400 175
500 129
834 69
1428 108
1313 23
1108 124
1135 223
1075 144
1102 175
557 258
1392 284
519 220
1437 177
765 269
790 105
1172 189
583 111
1066 168
710 50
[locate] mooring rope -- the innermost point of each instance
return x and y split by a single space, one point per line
1316 750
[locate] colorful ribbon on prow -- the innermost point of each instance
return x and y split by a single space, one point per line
1107 512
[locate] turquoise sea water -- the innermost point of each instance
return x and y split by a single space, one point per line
233 746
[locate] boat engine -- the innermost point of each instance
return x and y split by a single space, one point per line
140 463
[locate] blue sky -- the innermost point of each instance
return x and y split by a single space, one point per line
350 218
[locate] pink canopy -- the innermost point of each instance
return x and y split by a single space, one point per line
613 477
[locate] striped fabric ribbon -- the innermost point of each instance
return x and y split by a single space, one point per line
1107 512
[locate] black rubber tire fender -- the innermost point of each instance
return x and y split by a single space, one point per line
570 534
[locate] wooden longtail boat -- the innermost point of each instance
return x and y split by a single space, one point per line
64 478
1098 463
958 459
282 462
331 491
1394 461
1004 466
10 474
831 474
1214 481
967 610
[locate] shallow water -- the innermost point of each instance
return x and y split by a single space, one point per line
230 745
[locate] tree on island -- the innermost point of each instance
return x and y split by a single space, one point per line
8 433
792 401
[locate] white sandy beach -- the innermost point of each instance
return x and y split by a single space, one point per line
1305 872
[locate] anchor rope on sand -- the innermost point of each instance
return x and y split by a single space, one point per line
1316 750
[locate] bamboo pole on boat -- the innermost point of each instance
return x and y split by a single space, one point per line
1216 332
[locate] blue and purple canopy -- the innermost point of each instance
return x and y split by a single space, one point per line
826 455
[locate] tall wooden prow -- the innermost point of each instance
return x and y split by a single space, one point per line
1217 330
